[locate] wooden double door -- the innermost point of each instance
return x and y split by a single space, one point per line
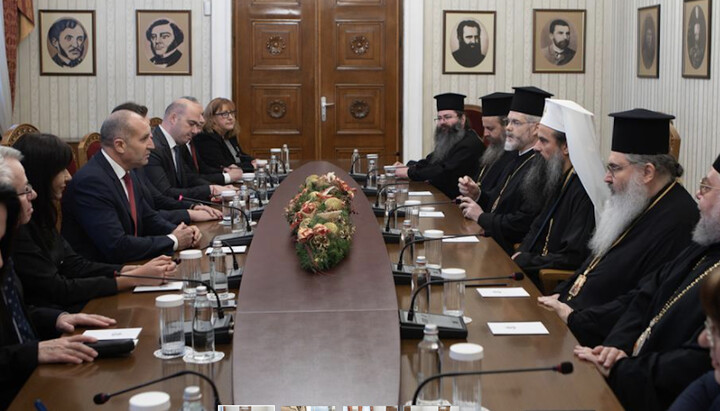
322 76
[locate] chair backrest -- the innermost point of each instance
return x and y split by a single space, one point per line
675 141
154 122
474 114
16 131
88 147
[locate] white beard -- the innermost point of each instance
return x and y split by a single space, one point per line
620 210
707 230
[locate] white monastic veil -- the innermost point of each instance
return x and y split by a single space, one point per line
577 124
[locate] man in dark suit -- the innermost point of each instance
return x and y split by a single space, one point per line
167 167
106 216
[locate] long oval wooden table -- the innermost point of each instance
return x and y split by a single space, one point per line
303 339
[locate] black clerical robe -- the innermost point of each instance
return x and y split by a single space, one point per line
569 217
670 358
462 160
510 220
490 175
657 237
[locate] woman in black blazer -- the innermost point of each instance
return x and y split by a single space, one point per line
217 146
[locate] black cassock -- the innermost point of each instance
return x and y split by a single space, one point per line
657 237
508 223
570 217
670 359
462 160
490 176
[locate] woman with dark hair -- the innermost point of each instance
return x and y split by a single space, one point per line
22 328
217 145
52 274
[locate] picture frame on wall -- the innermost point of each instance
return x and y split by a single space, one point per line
67 42
648 42
163 42
469 42
559 41
696 35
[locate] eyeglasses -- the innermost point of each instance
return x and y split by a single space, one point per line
225 114
517 123
27 191
441 119
710 332
705 187
614 168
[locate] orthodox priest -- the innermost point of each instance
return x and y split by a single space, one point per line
652 353
646 222
570 176
512 206
457 148
495 108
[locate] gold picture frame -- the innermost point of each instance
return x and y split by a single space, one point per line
696 36
474 55
67 42
163 42
648 42
561 50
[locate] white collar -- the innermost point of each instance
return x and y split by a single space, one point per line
523 152
117 168
171 141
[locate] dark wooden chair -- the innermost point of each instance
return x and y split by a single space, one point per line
474 114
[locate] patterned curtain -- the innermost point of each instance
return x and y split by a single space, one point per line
19 19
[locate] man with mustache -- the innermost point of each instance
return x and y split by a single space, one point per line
652 352
495 108
457 148
558 52
645 223
68 37
506 212
569 177
469 53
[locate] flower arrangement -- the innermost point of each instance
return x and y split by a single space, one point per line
319 217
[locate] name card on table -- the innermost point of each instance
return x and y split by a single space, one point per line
432 214
518 328
237 249
171 286
499 292
115 333
468 239
419 193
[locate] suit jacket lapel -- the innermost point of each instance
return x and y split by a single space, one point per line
167 155
119 191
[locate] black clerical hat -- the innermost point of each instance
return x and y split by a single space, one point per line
450 101
529 100
496 104
716 164
641 131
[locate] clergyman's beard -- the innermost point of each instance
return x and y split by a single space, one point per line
620 210
445 139
492 153
543 178
707 230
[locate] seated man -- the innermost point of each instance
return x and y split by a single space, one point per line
646 222
167 167
652 353
512 205
495 108
105 218
457 149
559 235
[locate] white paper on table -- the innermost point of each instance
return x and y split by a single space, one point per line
434 214
518 328
468 239
490 292
419 193
171 286
115 333
237 249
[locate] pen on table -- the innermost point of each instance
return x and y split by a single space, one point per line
39 406
487 285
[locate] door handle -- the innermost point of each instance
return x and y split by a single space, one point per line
323 107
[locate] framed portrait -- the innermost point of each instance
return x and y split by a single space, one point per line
469 42
558 41
67 42
163 42
648 42
696 39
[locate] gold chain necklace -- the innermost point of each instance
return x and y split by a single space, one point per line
646 334
582 278
507 181
550 225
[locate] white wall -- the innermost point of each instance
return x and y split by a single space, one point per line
71 106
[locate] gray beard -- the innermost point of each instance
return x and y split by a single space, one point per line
543 179
445 139
707 230
620 210
492 153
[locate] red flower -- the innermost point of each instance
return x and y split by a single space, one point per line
320 230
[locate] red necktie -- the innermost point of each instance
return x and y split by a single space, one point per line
131 199
194 155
